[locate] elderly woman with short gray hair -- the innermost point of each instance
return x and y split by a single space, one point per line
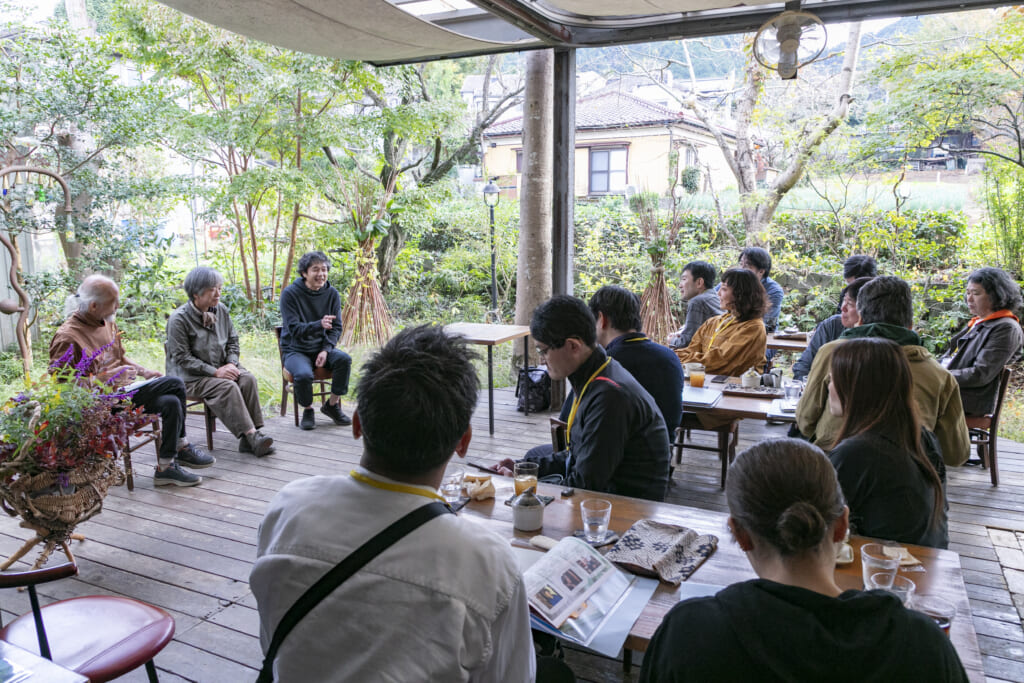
202 349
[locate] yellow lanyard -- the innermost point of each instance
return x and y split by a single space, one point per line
727 320
400 488
576 401
628 341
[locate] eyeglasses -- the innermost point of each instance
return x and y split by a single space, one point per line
544 350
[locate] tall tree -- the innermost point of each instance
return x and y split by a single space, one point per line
740 148
250 111
962 76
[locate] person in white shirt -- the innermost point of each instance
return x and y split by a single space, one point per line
446 602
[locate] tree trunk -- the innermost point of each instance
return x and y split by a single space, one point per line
387 251
533 269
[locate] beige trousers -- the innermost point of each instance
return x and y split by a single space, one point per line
236 404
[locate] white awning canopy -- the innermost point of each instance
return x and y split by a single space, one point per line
398 31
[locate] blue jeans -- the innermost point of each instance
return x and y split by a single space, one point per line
300 365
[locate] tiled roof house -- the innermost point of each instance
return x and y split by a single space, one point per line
621 141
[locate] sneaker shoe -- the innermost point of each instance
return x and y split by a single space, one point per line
308 420
173 475
257 443
335 412
194 457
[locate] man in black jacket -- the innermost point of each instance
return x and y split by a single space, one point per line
617 437
310 329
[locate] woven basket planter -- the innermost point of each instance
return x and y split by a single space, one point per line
39 501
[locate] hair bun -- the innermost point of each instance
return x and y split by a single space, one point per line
799 527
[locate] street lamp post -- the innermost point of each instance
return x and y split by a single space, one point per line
491 194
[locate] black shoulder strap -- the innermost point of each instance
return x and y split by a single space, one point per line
340 572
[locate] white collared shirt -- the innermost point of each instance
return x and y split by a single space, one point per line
445 603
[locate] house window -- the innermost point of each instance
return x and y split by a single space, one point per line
607 170
519 161
691 155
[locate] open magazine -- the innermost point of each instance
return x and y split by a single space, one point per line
575 593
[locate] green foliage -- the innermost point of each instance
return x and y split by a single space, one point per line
1004 200
689 178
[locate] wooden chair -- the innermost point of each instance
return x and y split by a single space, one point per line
101 637
985 430
728 437
146 436
321 382
559 441
197 406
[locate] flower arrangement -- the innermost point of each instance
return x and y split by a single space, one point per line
66 419
59 442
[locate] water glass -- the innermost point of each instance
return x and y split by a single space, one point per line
525 476
874 560
451 485
696 374
793 389
596 514
942 611
903 588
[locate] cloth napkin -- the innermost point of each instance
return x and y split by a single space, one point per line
666 551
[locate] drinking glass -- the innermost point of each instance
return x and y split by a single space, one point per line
451 485
874 560
525 474
942 611
696 372
793 389
596 514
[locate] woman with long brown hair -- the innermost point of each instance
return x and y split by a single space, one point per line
730 343
888 466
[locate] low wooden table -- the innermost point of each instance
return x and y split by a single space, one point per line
490 335
796 345
942 576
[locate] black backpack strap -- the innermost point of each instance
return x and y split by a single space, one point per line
340 572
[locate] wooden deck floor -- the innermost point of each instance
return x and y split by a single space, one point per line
190 550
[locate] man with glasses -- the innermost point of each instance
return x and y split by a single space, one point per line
617 439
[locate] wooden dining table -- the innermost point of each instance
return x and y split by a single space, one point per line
733 406
490 335
941 576
796 344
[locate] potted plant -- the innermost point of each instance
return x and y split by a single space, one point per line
60 442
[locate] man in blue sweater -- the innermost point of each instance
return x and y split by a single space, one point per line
654 366
310 329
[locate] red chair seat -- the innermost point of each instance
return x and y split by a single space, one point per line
100 637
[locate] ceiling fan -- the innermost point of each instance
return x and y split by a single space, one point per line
789 41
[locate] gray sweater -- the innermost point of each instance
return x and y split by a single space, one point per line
698 309
194 351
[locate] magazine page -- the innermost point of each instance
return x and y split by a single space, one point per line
564 578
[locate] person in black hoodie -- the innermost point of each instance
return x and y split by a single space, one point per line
794 623
310 329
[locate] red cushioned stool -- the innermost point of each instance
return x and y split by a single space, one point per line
98 636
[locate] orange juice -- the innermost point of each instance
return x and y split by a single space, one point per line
696 378
524 482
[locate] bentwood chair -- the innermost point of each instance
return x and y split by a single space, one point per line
101 637
985 430
321 382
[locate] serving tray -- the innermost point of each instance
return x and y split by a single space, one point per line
757 392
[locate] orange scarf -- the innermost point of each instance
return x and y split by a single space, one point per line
1004 313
